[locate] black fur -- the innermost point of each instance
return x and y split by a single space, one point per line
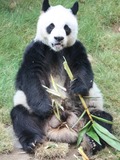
75 8
28 127
50 28
45 5
67 29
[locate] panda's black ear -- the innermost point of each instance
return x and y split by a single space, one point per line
75 8
45 5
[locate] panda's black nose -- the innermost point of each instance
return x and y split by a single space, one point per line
59 38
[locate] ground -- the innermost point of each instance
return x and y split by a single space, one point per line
99 31
18 154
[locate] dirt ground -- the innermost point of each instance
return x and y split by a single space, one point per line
106 154
15 155
18 154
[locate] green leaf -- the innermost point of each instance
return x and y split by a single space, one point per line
101 119
79 119
82 133
91 133
56 110
106 136
104 130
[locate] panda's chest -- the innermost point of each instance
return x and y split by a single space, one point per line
57 80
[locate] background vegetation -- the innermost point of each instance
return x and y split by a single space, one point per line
99 31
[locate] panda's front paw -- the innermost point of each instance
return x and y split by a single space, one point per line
78 87
29 147
29 144
43 110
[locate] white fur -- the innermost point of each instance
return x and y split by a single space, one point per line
20 98
59 16
96 99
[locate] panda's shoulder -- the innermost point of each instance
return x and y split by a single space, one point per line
77 50
79 46
34 47
35 51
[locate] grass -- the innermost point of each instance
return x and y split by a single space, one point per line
6 144
99 25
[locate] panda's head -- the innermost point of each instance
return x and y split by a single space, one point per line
57 26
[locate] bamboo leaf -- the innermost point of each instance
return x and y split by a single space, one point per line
106 136
56 115
53 83
101 119
66 67
104 131
91 133
61 107
61 87
79 119
77 158
82 133
91 97
56 110
51 146
51 91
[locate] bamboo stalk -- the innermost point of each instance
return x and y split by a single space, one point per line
66 67
84 156
86 108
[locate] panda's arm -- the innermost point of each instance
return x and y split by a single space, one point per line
81 69
29 81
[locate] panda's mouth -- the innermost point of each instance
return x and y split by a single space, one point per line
57 44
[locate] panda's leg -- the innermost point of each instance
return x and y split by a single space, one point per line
89 145
28 127
95 104
105 115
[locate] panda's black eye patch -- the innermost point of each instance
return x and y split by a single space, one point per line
50 28
67 29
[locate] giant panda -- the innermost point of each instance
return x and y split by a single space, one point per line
32 116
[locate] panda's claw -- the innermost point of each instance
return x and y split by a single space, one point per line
30 144
33 144
29 148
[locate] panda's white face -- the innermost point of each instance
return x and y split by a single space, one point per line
57 28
